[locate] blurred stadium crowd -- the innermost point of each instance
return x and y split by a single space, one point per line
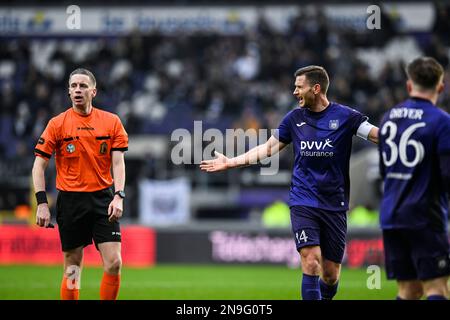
157 83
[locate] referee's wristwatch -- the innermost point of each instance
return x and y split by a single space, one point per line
120 193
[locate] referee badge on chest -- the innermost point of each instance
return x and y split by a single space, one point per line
333 124
70 148
103 148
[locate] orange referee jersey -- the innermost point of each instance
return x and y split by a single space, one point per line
82 146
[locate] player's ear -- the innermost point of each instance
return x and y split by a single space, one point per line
409 86
440 87
94 92
316 88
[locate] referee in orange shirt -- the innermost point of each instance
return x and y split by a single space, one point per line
87 142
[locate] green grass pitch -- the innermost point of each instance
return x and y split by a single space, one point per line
186 282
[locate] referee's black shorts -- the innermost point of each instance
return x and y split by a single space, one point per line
83 217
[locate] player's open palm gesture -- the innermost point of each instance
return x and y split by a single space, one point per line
218 164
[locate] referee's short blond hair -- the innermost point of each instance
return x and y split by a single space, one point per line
85 72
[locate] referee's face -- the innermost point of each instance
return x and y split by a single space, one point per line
81 91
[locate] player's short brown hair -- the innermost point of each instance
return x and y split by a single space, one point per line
425 72
85 72
315 75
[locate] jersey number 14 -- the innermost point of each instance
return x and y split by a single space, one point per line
405 142
301 237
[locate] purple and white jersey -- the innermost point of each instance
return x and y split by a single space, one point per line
414 137
322 147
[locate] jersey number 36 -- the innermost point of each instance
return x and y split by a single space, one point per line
405 142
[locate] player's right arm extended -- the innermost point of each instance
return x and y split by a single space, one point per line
38 173
253 156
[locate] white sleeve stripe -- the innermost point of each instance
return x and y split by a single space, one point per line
364 130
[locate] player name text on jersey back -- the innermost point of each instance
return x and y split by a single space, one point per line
414 114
